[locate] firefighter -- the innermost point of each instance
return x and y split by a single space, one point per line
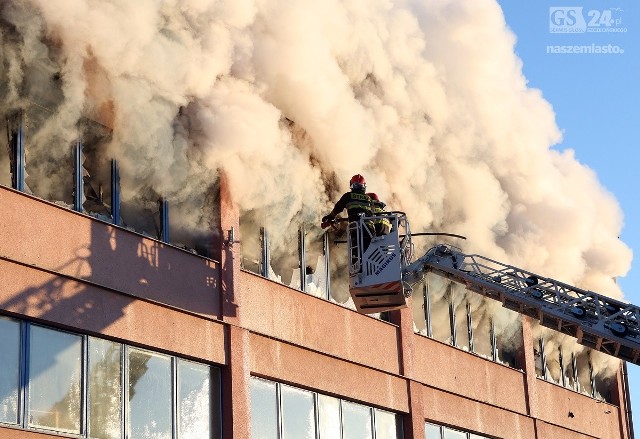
358 204
381 225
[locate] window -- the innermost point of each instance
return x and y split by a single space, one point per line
194 400
75 384
329 422
105 389
560 364
149 394
433 431
468 321
298 413
387 425
264 410
9 369
279 411
55 371
356 421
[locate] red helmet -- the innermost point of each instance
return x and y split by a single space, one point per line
357 183
373 196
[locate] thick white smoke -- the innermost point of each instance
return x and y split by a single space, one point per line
291 97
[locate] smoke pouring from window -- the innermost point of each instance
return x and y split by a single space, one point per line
290 98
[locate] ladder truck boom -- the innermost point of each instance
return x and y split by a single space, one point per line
381 275
596 321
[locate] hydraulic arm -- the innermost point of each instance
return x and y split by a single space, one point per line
597 321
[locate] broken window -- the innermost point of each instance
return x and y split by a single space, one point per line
508 336
479 308
49 162
284 257
440 320
194 219
94 172
251 238
8 132
15 158
311 274
460 322
562 361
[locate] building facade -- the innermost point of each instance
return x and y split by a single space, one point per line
108 333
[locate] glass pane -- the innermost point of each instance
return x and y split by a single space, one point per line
552 355
356 421
54 379
149 395
284 263
315 271
216 408
538 345
439 299
5 162
584 373
432 431
9 369
105 389
454 434
329 415
264 412
298 415
476 436
462 327
386 425
194 396
481 318
251 243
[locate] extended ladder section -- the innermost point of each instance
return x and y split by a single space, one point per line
598 322
375 268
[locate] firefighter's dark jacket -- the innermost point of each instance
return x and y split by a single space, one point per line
356 203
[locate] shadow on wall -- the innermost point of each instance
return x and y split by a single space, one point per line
66 268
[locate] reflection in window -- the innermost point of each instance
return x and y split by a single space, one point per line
454 434
461 319
56 391
329 416
149 395
9 369
264 411
194 400
356 421
432 431
275 406
386 425
251 242
105 389
298 418
54 385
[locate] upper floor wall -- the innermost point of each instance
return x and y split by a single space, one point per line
47 237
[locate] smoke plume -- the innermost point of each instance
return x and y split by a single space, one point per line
427 99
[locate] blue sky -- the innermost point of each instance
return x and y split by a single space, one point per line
596 99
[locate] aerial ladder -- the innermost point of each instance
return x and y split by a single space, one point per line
381 277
